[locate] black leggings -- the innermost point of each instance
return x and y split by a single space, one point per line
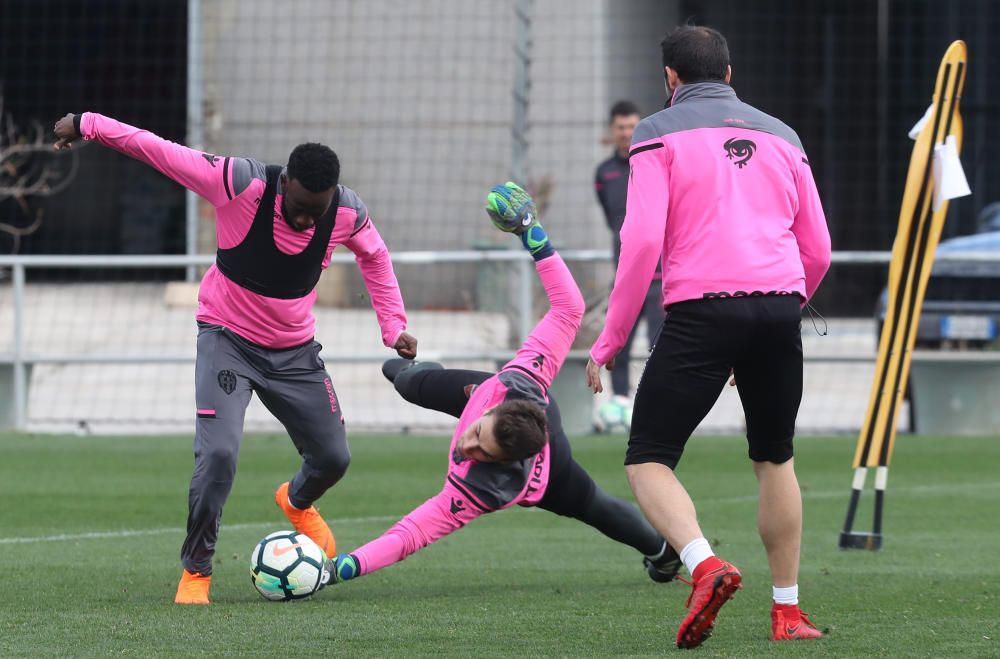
571 491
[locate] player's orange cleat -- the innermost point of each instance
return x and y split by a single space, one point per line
789 623
193 588
307 521
709 591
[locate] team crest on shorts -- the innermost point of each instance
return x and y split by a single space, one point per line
227 380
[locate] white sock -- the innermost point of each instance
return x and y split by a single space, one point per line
789 595
658 555
695 552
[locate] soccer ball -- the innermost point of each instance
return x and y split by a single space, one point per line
287 565
614 415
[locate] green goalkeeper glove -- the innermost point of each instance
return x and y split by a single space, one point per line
512 210
341 567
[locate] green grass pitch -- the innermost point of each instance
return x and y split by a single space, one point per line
90 531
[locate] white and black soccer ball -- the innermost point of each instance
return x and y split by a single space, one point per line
287 565
613 416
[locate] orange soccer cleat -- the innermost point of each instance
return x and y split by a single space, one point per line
789 623
193 588
308 522
715 586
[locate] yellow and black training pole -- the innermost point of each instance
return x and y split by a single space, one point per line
912 259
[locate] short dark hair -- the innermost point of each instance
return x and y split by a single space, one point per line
520 429
696 53
623 109
315 166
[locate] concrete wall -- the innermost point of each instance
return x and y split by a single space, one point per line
416 98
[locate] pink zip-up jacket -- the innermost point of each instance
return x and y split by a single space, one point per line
473 488
234 186
723 197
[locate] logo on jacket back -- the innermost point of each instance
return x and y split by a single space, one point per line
739 150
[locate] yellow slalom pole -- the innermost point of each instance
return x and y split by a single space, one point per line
917 236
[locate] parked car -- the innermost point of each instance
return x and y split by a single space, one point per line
961 309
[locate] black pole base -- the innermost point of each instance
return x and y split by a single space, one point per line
860 540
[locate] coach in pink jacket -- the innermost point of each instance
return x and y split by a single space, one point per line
722 195
276 229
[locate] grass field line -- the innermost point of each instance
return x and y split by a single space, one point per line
936 488
940 488
130 533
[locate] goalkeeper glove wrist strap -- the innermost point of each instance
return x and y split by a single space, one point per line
536 241
345 567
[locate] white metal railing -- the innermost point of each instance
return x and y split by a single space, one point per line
20 358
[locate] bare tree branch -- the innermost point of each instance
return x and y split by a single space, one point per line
29 169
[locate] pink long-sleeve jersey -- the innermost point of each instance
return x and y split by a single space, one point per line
235 186
473 488
723 197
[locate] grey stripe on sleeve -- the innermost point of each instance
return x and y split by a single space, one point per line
648 129
245 170
522 387
350 199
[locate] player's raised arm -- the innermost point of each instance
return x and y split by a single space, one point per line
544 351
205 174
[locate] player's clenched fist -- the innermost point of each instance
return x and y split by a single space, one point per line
406 346
66 132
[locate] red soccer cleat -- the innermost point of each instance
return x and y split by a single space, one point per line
789 623
715 586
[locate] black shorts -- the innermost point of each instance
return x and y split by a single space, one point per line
759 338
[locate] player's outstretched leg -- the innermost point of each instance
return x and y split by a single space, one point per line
665 502
664 567
393 367
222 393
308 522
622 521
714 583
430 385
302 397
573 493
